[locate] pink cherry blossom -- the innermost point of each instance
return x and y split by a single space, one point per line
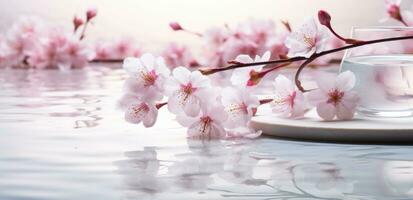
208 124
250 38
288 100
309 39
334 96
258 31
223 45
178 55
60 49
21 39
186 91
77 53
50 53
240 105
104 50
276 45
237 45
123 47
147 75
215 37
138 110
241 77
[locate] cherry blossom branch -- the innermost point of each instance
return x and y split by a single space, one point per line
325 19
177 27
82 35
359 44
393 10
90 14
208 71
107 60
160 105
236 65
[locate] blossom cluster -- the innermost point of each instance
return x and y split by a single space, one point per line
211 110
251 37
224 111
117 49
29 43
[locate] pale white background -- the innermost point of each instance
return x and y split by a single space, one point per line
147 20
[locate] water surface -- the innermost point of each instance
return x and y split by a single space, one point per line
62 138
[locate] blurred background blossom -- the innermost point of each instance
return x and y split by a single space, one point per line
147 21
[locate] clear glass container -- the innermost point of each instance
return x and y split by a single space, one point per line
384 72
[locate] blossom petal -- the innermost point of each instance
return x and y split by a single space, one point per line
185 120
344 112
265 57
181 103
182 75
326 82
229 96
326 111
218 113
135 113
299 107
148 61
204 130
244 59
131 64
150 118
283 86
322 39
133 85
241 76
161 68
199 81
316 97
309 28
345 81
199 130
217 131
350 99
191 106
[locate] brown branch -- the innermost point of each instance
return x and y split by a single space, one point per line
317 55
307 60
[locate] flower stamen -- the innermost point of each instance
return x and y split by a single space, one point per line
187 90
310 41
206 122
149 78
335 97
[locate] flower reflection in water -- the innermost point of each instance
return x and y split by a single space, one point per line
398 176
44 157
229 169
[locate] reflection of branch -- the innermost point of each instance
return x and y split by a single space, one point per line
303 191
280 194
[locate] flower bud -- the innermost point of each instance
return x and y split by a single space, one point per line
393 10
175 26
324 18
77 22
91 13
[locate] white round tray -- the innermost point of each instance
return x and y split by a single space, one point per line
358 130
